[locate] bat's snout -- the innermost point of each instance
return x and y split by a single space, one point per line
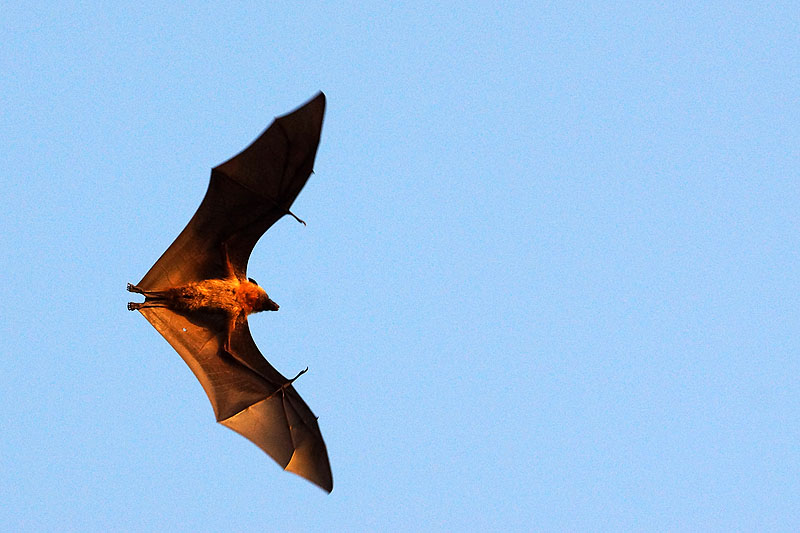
264 303
269 305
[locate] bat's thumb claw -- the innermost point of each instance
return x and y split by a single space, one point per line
303 222
288 384
298 375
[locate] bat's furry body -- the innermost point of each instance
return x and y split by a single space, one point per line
230 295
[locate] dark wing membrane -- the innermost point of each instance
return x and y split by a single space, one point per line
226 211
248 400
246 195
198 339
281 424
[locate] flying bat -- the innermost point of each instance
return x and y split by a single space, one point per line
198 295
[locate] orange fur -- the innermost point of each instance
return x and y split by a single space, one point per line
249 295
230 295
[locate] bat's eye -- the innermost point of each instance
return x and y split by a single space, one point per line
251 280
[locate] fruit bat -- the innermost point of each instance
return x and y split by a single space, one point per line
198 295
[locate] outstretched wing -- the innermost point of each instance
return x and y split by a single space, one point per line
281 423
251 401
246 195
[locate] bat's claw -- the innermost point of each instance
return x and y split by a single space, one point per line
131 305
297 376
288 384
303 222
133 288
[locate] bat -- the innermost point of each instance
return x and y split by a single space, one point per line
198 295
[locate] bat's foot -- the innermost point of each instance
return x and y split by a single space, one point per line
132 306
134 288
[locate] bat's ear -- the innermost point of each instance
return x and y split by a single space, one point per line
251 280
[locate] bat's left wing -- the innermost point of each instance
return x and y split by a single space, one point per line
281 424
258 405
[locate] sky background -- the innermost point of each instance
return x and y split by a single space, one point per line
549 280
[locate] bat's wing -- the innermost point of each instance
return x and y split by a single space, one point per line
255 401
246 195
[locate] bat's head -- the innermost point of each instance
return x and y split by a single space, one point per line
260 300
265 304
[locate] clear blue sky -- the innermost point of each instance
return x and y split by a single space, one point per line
549 281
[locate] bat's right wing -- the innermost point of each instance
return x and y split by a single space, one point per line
246 195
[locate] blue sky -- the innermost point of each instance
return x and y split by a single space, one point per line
549 280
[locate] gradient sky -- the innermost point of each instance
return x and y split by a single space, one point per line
549 280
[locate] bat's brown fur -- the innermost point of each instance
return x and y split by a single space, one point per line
232 296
